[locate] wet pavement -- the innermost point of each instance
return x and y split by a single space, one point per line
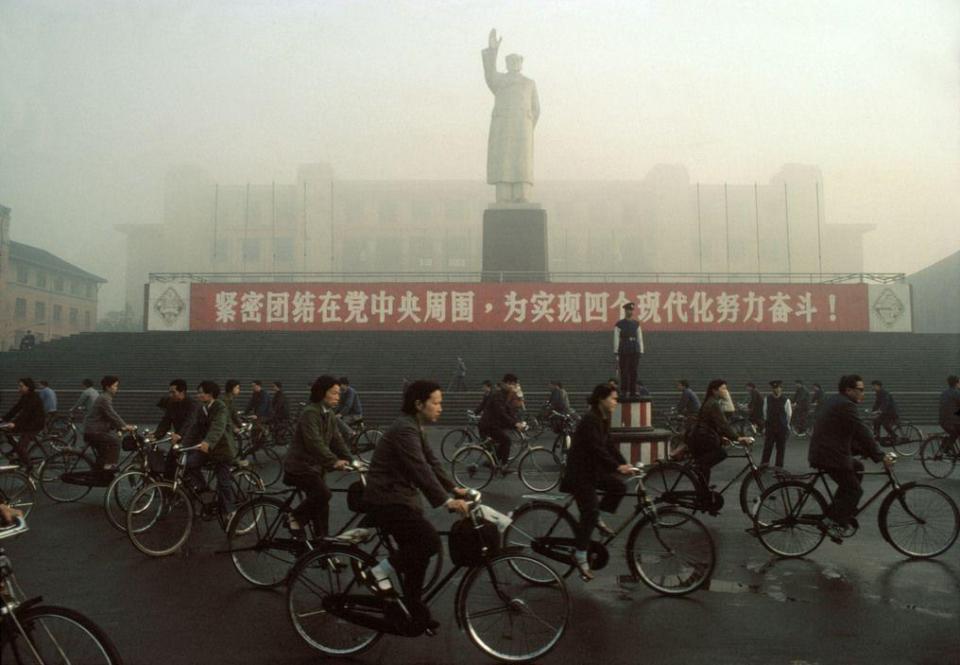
859 602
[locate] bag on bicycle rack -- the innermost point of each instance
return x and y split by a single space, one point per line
470 544
130 442
355 497
157 461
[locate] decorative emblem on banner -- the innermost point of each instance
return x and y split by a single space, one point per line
170 306
888 308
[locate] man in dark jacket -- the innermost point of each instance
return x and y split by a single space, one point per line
801 406
628 347
777 412
259 403
839 434
884 410
487 388
217 445
755 406
179 414
403 467
950 410
25 420
500 416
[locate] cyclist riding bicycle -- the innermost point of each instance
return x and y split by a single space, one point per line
950 410
317 447
705 438
349 410
25 419
101 425
402 468
838 435
217 446
594 463
501 415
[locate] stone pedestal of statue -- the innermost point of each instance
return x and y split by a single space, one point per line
515 243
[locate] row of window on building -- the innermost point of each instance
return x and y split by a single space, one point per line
60 285
40 313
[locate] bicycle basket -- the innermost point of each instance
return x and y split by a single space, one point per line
156 460
355 497
471 544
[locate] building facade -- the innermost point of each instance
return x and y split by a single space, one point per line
42 293
662 224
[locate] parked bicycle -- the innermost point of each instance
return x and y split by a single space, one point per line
938 455
160 516
668 550
34 633
920 521
504 613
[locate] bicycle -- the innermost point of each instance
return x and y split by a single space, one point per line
262 457
540 468
37 451
457 438
503 613
681 485
800 422
364 440
161 514
938 456
668 550
475 465
789 521
906 438
35 633
17 489
151 467
64 425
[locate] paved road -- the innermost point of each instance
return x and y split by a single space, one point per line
856 603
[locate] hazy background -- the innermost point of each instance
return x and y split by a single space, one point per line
99 98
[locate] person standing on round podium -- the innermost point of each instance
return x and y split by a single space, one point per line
628 347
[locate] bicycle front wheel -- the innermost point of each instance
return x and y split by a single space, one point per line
117 498
673 553
753 485
473 467
938 457
57 635
262 548
506 615
246 484
51 475
367 442
453 441
907 439
18 491
920 521
540 520
159 519
788 518
322 575
671 484
540 469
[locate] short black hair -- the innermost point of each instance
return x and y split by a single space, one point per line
684 383
230 385
601 391
179 384
953 380
487 383
44 383
209 388
848 381
344 381
751 384
257 382
877 382
28 382
278 384
509 378
108 381
418 391
712 386
320 387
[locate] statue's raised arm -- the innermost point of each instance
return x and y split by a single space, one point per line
492 41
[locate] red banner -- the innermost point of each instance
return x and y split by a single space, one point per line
527 307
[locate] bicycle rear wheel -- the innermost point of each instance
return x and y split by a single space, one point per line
320 575
159 519
261 547
18 491
539 520
117 498
51 475
907 439
938 457
59 635
266 463
673 554
540 469
473 467
508 617
453 441
671 484
753 485
920 521
788 518
367 442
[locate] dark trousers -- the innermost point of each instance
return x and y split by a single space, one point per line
887 422
21 446
774 436
848 493
416 540
316 504
590 506
628 372
501 438
107 446
704 461
222 471
953 433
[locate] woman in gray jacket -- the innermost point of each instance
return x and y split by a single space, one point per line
102 423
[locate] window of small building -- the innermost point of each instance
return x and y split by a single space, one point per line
91 290
40 311
41 280
23 274
74 315
87 320
58 284
58 312
75 287
20 308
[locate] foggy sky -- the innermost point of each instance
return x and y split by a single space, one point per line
98 99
